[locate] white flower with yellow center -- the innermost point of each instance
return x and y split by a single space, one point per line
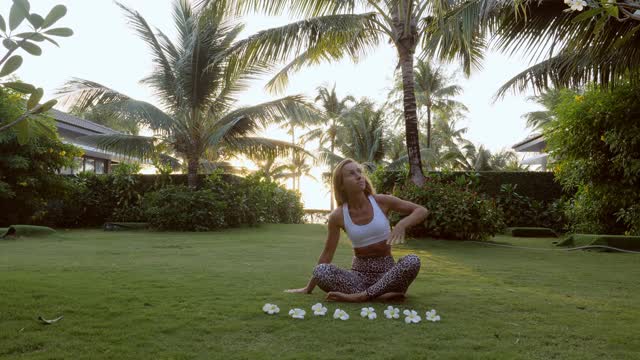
368 312
340 314
271 309
392 313
576 5
297 313
319 310
411 317
432 316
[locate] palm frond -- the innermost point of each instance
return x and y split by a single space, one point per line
277 111
299 8
86 94
325 37
158 47
261 148
141 147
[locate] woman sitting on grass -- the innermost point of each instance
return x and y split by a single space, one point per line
363 215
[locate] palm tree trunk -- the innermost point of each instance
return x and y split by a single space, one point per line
293 142
411 116
331 205
192 171
429 127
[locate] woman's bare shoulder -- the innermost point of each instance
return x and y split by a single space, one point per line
336 217
382 197
383 201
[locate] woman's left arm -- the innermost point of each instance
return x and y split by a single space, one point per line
416 215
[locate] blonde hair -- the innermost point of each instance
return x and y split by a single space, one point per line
338 181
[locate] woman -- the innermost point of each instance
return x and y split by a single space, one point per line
363 215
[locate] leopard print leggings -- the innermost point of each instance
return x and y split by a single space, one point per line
375 275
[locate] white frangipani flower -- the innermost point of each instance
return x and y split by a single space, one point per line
392 313
319 310
576 5
271 308
297 313
412 316
368 312
340 314
432 316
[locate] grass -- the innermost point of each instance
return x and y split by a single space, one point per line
135 295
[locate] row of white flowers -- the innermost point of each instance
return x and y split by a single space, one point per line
411 316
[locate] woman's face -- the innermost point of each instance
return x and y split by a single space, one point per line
352 178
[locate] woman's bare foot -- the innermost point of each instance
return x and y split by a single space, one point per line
391 297
338 296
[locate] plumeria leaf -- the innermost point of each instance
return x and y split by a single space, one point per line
11 65
56 13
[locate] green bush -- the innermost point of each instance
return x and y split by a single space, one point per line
26 181
540 186
256 200
92 199
595 141
183 208
522 211
455 212
631 217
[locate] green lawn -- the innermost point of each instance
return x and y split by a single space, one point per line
144 295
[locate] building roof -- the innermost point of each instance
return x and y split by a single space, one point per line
533 143
83 124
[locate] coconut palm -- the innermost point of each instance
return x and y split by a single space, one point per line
197 78
334 112
434 92
444 152
402 23
271 168
568 49
548 99
364 137
472 158
301 166
110 119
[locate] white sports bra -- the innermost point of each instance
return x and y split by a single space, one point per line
375 231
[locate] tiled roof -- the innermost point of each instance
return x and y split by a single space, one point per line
81 123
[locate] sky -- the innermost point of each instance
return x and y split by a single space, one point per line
105 49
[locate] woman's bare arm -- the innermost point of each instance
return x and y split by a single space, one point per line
333 237
416 215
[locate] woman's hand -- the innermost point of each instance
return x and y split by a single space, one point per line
303 290
397 235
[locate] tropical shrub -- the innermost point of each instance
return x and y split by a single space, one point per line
455 212
25 168
522 211
595 142
184 208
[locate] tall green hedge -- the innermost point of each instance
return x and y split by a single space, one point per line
124 197
540 186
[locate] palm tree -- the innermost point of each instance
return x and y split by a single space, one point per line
402 22
110 119
549 99
472 158
300 166
334 112
444 152
434 92
364 138
271 169
575 48
304 123
196 80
